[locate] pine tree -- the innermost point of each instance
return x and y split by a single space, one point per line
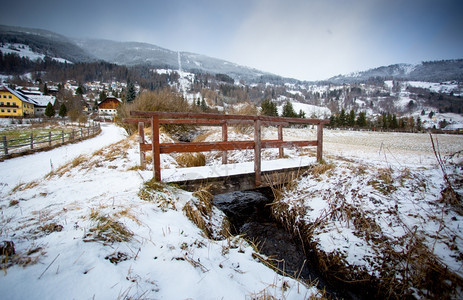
102 96
351 118
288 111
62 110
269 108
301 114
50 110
362 119
342 120
418 123
130 95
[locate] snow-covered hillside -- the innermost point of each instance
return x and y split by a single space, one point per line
25 51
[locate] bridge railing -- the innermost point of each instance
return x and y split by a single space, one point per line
202 119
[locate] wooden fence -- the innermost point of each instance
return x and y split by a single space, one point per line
31 143
157 118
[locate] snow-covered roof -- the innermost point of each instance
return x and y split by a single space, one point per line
43 100
18 94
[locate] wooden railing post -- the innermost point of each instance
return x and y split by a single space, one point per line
62 136
280 138
257 152
156 148
32 140
319 142
141 134
5 145
224 139
49 139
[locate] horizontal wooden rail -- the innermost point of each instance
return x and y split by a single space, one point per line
225 146
186 118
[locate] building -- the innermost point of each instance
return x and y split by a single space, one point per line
15 104
41 103
108 107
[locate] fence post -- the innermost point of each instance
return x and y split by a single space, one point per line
156 148
319 142
49 138
32 140
62 136
88 131
81 133
257 154
224 139
280 138
72 135
5 145
141 136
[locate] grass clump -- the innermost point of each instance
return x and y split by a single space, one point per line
209 219
107 230
186 160
159 193
384 182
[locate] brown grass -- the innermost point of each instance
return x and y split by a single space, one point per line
186 160
107 229
200 211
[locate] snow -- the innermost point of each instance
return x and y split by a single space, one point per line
33 167
25 51
167 257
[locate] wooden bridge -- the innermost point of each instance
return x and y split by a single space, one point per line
247 181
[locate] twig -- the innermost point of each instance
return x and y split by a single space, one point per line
49 266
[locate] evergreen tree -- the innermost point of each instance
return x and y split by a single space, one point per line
130 95
342 119
50 110
288 111
301 114
203 105
394 123
62 110
351 118
418 123
362 119
45 89
431 114
269 108
79 90
103 96
332 121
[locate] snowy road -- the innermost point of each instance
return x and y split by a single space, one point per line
35 166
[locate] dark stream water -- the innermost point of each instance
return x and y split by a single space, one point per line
249 214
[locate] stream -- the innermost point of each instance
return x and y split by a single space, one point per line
249 214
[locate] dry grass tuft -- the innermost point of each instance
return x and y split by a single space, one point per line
107 229
200 211
384 182
159 193
186 160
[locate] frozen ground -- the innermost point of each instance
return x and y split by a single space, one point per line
85 225
82 230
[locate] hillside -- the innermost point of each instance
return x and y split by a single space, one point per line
45 42
434 71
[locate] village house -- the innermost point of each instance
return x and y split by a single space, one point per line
41 103
15 104
108 107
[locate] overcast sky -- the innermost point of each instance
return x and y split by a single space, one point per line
303 39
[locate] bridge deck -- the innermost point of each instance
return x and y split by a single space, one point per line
234 177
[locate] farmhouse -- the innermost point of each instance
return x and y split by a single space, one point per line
108 107
15 104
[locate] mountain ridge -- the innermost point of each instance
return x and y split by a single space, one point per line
139 53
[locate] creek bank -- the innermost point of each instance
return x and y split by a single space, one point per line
249 213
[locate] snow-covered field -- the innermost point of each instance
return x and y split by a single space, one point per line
83 228
82 231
